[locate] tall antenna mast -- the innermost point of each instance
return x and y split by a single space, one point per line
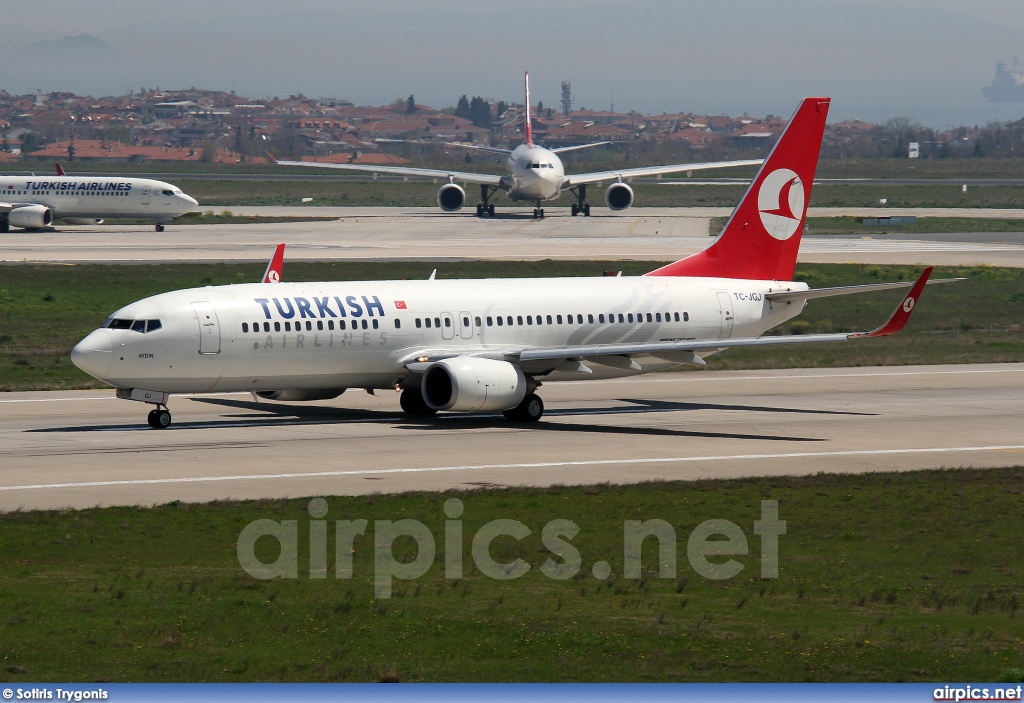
567 99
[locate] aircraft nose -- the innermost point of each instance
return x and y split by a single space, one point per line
190 201
94 353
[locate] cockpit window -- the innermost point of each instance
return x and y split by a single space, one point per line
142 326
168 192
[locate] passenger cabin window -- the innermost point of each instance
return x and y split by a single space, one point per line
447 322
418 323
477 319
320 324
519 319
490 320
277 326
376 323
266 326
650 317
500 321
686 317
622 320
427 322
287 327
590 319
341 324
398 323
509 320
676 316
245 326
559 318
549 319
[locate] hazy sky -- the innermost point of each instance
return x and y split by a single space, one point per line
923 59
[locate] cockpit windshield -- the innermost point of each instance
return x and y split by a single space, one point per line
142 326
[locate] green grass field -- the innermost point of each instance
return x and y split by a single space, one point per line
924 225
227 193
46 310
882 577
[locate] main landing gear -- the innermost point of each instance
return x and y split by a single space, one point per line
413 404
580 207
485 207
538 213
530 410
159 418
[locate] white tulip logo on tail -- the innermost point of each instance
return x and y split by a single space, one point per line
273 276
780 202
908 305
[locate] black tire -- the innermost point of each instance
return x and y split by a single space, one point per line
159 228
490 210
161 419
151 419
479 210
541 211
5 226
575 210
413 404
586 210
530 410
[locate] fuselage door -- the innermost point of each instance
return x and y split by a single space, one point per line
209 327
447 326
145 196
725 305
465 325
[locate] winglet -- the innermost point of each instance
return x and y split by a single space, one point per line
528 127
276 266
60 171
901 314
270 156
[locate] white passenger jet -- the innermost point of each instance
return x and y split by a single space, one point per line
485 345
32 202
535 174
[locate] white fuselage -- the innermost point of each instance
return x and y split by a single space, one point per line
335 335
97 196
537 173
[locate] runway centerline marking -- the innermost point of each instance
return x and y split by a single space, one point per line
537 465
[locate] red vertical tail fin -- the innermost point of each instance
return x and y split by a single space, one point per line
275 269
762 237
60 171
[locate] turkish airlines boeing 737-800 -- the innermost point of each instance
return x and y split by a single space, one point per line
32 202
535 174
484 345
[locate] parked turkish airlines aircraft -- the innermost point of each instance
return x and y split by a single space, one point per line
535 174
31 202
485 345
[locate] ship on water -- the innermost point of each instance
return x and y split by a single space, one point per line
1008 85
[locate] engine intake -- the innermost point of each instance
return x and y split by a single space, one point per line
30 217
468 383
301 395
451 197
618 196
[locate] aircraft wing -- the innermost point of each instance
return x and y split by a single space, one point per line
681 351
485 178
577 179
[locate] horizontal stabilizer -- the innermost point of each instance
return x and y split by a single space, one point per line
791 296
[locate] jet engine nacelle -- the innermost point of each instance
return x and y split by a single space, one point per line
84 220
468 383
451 197
299 395
30 217
618 196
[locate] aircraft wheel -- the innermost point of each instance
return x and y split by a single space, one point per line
586 210
5 226
159 419
575 210
490 210
159 228
541 211
413 404
479 210
530 410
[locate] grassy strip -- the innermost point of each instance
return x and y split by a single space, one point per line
924 225
226 193
46 310
882 577
585 160
226 217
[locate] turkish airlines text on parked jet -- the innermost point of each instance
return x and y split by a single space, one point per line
31 202
535 174
484 345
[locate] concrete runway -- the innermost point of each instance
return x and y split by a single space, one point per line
84 448
657 234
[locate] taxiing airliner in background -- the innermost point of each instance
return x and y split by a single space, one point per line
32 202
535 174
485 345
